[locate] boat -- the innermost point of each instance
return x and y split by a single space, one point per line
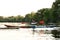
11 26
18 26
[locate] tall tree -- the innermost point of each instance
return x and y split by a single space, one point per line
56 11
44 14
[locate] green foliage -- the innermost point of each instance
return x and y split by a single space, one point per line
56 11
46 14
56 17
29 17
11 19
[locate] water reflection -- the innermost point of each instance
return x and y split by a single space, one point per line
24 34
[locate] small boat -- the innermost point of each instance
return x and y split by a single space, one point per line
12 27
18 26
6 27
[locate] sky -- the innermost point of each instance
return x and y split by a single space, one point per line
22 7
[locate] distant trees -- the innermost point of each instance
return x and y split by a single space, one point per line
46 14
18 18
1 18
11 19
29 17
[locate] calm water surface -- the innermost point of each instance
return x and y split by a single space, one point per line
23 34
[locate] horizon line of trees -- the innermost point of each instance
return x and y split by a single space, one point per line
49 15
17 18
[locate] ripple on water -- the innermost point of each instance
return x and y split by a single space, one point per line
23 34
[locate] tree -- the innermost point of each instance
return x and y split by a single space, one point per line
39 15
29 17
19 18
10 19
1 18
56 11
44 14
56 17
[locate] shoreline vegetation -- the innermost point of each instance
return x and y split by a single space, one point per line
48 15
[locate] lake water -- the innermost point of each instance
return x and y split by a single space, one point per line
23 34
